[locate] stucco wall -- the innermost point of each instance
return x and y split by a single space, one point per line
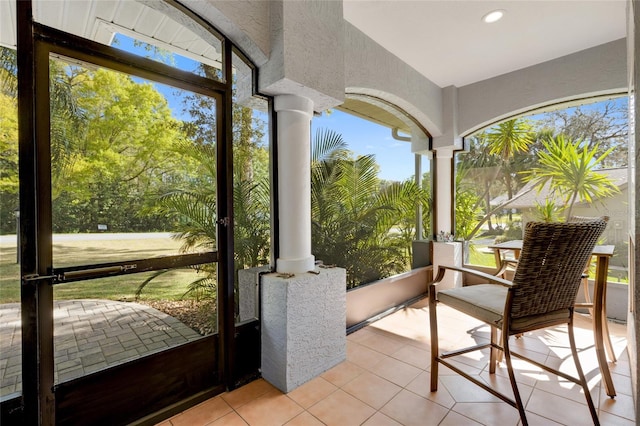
245 22
299 48
372 70
306 48
307 52
595 71
303 326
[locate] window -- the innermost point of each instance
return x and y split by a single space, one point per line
526 168
365 198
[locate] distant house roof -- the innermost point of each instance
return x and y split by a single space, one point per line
533 196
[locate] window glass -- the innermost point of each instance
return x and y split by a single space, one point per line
131 161
365 197
10 354
251 188
548 166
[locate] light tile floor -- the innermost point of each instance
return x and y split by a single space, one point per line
385 381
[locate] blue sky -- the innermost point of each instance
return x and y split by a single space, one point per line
363 137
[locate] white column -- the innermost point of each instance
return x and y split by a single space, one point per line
294 115
445 190
446 253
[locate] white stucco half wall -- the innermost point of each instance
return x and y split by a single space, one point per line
303 326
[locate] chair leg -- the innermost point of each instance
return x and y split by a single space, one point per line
512 378
587 295
583 380
433 329
493 354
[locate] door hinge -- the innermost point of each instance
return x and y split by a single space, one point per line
223 221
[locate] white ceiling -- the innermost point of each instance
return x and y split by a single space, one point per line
100 20
448 43
444 40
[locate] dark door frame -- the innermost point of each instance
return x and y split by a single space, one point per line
35 43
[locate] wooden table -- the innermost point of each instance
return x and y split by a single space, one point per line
597 305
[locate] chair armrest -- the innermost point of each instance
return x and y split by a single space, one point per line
504 264
490 278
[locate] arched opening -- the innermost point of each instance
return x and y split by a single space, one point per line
372 203
563 163
548 165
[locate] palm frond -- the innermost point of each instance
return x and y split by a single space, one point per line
327 145
147 281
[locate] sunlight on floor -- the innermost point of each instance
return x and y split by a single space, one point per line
385 381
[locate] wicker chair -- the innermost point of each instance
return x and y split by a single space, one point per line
542 294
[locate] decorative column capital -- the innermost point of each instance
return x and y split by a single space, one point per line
293 103
444 153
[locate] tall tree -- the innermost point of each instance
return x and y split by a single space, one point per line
604 124
482 168
9 186
494 160
119 158
195 204
251 190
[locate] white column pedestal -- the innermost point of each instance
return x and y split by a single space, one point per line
303 326
248 285
448 254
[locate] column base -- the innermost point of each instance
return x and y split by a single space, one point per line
296 266
303 326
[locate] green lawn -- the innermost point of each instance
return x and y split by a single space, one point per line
170 286
480 256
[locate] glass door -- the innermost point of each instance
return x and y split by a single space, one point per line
126 228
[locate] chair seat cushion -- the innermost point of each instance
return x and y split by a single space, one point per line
482 301
485 302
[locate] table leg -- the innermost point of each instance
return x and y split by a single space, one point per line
587 295
605 328
498 257
599 322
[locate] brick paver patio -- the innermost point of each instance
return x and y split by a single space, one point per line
90 335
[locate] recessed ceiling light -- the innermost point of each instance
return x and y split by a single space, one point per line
493 16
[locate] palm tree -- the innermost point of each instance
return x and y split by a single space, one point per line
506 140
468 211
356 219
509 137
194 203
547 211
571 170
495 158
67 120
482 168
